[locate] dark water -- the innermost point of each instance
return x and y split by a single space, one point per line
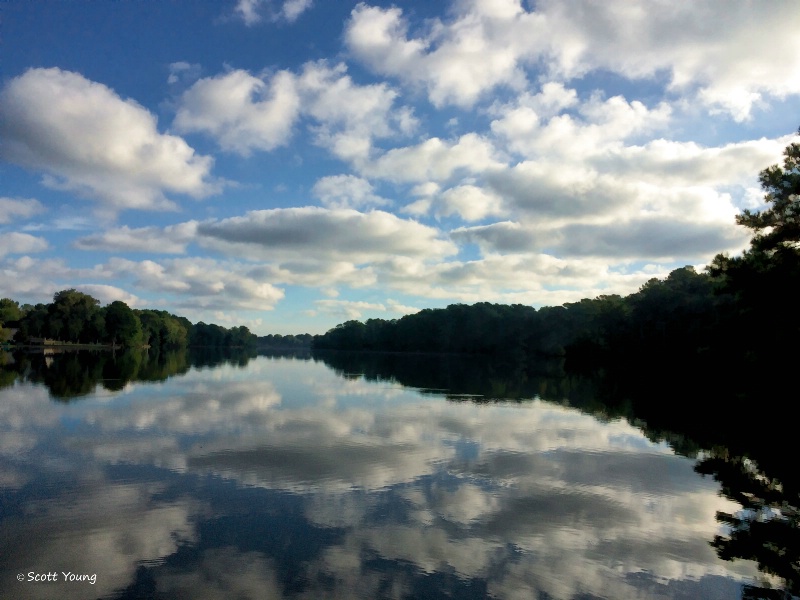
275 477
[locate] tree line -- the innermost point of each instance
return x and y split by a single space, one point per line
734 315
77 318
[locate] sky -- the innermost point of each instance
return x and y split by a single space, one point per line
293 164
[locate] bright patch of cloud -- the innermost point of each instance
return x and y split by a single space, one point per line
122 160
292 9
18 208
21 243
729 60
346 191
247 10
199 282
349 116
435 160
350 309
245 112
167 240
250 11
455 62
241 111
331 234
109 293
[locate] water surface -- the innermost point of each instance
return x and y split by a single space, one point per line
285 478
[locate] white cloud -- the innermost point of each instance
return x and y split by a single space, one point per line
292 9
159 240
728 57
435 160
470 202
241 111
250 11
350 309
455 62
644 238
36 279
349 116
346 191
329 234
314 273
21 243
109 293
602 124
728 60
247 10
245 112
199 283
527 278
121 159
182 72
18 208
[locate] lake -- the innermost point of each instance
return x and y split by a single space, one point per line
287 477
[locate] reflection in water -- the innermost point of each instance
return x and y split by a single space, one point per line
70 374
277 477
767 529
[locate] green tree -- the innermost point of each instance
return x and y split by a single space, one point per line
122 325
777 228
71 315
10 311
761 278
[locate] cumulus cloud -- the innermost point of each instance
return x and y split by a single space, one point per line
348 116
346 191
172 239
470 202
18 208
199 283
350 309
21 243
251 11
506 237
109 293
247 10
122 160
314 273
36 280
182 72
526 278
436 160
596 125
332 234
245 112
241 111
292 9
454 62
645 238
650 239
733 68
730 68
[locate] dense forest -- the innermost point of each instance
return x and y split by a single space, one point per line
77 318
733 316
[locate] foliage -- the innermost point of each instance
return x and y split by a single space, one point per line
285 342
122 325
75 317
161 329
10 312
778 227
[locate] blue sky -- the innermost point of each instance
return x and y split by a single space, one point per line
289 165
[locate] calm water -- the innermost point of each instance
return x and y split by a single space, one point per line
285 478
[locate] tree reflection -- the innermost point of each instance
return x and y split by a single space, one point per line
767 529
71 375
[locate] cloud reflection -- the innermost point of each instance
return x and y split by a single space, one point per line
522 498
